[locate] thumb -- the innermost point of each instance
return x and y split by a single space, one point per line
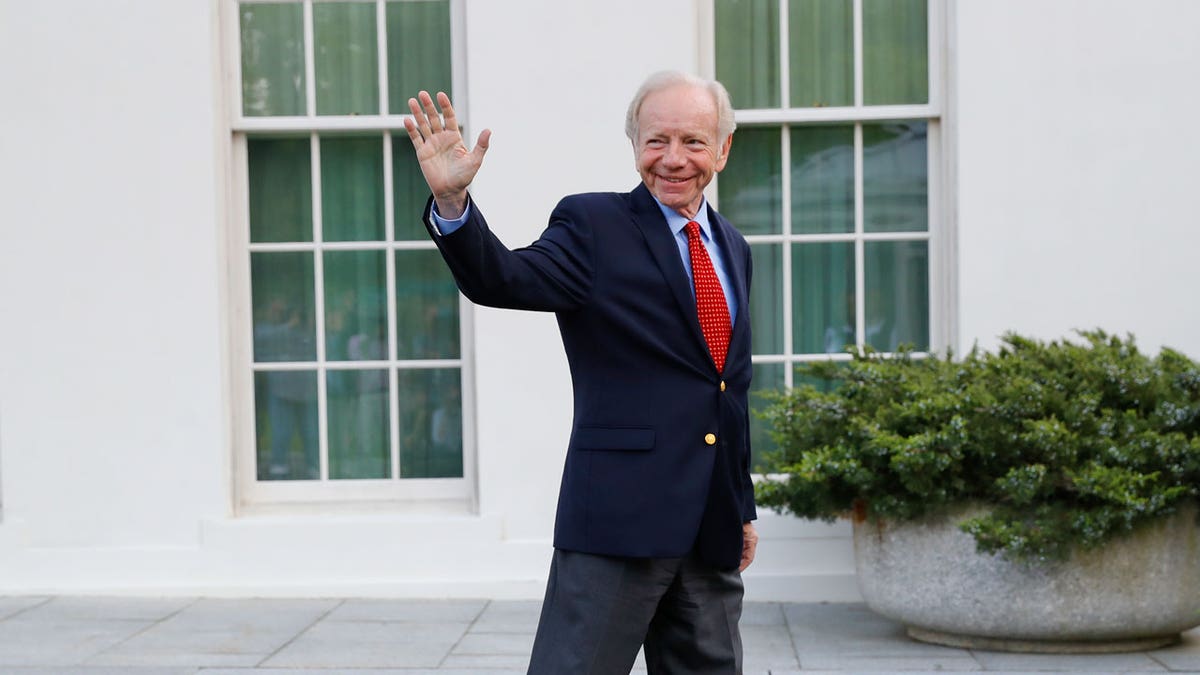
481 145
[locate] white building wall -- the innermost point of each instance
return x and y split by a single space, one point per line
1075 208
1077 169
112 422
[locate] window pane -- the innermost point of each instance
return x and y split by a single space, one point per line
285 410
766 299
747 34
283 306
418 51
359 443
409 190
822 179
895 52
355 306
897 281
822 297
895 177
750 187
426 307
768 377
272 59
430 423
352 188
280 189
821 53
347 58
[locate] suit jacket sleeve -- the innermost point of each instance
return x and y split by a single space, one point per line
552 274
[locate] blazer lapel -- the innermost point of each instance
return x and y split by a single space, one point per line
650 221
724 233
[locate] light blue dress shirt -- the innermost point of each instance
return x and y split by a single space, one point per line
676 221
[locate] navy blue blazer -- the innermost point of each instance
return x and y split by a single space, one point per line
658 463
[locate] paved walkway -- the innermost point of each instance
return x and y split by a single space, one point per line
142 636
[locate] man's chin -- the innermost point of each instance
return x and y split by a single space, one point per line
673 200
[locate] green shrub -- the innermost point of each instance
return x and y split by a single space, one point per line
1066 444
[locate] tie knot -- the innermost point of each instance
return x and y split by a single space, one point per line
693 229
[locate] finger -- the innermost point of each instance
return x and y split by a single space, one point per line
414 134
435 120
447 111
419 117
481 145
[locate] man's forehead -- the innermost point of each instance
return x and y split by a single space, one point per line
679 105
682 97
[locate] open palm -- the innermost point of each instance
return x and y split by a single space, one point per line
447 164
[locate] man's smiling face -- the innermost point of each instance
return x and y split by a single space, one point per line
678 148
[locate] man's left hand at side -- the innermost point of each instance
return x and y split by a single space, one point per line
749 544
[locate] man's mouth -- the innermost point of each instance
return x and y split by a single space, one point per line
674 180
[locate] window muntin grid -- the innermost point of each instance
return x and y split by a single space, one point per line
393 387
836 191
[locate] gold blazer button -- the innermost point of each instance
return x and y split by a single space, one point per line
722 385
710 439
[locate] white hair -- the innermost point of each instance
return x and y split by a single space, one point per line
666 79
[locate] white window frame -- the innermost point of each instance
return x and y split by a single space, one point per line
438 495
940 235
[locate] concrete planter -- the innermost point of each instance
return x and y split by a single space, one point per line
1138 592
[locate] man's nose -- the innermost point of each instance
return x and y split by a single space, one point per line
674 155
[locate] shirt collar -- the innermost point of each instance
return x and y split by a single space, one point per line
677 221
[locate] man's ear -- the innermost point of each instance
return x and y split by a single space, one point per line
723 153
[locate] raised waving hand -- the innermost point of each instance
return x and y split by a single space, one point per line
446 163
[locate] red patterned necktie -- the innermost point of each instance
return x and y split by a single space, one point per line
710 299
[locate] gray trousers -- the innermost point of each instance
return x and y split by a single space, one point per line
599 610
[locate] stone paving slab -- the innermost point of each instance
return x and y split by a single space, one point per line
105 609
1179 663
102 670
420 611
30 641
217 632
1078 663
767 647
355 671
897 664
11 606
502 644
148 636
334 644
925 671
762 614
508 662
509 616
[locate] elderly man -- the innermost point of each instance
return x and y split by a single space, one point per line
651 291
